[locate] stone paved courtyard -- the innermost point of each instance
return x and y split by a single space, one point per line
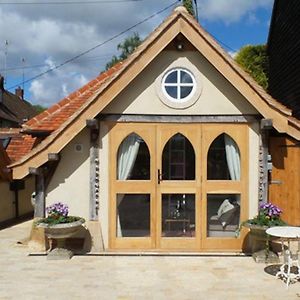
132 277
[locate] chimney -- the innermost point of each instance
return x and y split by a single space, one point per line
1 88
19 92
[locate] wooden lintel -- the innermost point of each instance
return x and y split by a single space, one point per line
266 124
35 171
180 118
92 123
53 156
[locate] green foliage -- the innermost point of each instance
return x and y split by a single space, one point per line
254 60
39 108
188 4
126 48
58 220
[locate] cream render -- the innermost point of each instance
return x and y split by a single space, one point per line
218 96
70 182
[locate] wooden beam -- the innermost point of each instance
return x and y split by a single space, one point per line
266 124
92 123
53 156
180 118
40 205
94 172
35 171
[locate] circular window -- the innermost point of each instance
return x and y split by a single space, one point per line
178 85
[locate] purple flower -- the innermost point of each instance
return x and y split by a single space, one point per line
58 209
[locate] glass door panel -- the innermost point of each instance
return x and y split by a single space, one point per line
178 215
133 215
177 192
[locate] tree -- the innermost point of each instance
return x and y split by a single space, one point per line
188 4
39 108
254 60
126 48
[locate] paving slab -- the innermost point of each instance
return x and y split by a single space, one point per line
133 277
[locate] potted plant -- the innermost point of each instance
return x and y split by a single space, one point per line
269 215
58 225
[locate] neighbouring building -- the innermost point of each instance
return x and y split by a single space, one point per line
166 151
14 111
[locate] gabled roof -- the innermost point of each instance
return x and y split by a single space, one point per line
52 118
13 108
68 118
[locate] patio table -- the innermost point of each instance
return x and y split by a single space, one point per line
287 234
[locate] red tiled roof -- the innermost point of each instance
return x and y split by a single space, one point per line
52 118
19 146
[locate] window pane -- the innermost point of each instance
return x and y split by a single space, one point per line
172 77
178 215
223 215
133 215
223 160
133 159
171 91
185 77
185 91
178 159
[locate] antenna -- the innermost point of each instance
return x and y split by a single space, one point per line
23 72
196 6
5 59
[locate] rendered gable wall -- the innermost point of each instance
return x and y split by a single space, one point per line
70 182
218 97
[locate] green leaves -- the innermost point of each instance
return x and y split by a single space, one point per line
126 48
254 60
188 4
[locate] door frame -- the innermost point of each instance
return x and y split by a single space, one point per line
155 135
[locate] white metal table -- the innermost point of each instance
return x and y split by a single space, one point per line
287 234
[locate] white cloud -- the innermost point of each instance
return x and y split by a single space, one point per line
233 53
56 85
230 11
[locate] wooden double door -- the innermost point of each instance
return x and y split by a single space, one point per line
169 182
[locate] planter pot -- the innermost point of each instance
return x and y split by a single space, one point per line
60 232
260 244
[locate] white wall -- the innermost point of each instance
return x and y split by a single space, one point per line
70 182
218 96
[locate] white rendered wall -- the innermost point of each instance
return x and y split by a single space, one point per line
218 96
70 182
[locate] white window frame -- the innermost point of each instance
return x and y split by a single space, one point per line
181 64
179 85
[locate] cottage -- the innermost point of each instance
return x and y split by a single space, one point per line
166 151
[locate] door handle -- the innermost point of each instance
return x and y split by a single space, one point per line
159 176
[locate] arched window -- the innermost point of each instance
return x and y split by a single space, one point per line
223 161
178 159
133 159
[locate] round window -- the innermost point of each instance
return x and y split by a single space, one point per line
178 85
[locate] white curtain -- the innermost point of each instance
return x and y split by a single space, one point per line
233 158
127 154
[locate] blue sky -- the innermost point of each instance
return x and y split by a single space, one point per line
47 35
